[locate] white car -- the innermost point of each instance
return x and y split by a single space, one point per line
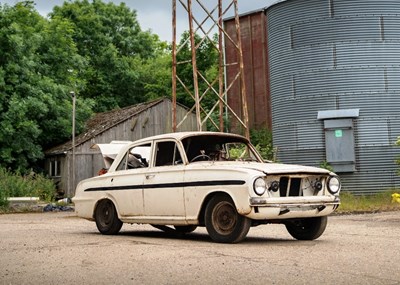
216 180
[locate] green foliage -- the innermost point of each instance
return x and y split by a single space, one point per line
237 151
94 48
3 193
207 64
262 140
325 165
31 185
117 53
34 85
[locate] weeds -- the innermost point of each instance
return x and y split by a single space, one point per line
262 140
31 185
372 203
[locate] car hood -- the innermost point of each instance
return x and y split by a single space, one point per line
268 168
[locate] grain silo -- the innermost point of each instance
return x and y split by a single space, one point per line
334 69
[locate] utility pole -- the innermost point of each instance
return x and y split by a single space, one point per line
72 93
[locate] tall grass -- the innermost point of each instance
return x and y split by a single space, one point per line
372 203
17 185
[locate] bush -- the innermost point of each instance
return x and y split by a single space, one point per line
262 140
32 185
325 165
3 196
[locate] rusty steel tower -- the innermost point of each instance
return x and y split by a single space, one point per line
203 25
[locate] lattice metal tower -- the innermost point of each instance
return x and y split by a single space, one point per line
203 25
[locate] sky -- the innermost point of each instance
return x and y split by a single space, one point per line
156 15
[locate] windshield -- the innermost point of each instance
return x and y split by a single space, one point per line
218 148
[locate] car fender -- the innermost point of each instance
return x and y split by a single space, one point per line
106 196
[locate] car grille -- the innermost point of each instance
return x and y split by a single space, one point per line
290 187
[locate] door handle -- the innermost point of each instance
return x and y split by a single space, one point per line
149 176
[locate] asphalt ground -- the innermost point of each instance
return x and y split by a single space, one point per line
53 248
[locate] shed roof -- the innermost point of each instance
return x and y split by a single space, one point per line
102 122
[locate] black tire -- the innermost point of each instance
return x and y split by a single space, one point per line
308 228
106 217
185 229
223 222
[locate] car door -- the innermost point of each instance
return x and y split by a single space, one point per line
163 184
128 180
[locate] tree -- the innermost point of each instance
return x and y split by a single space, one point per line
207 64
207 60
110 39
34 103
95 49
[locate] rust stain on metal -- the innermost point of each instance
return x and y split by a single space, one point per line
253 33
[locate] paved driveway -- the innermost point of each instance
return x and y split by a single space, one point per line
50 248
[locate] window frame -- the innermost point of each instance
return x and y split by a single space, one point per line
55 168
177 150
124 159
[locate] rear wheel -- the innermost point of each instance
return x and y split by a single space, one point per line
106 217
307 229
223 222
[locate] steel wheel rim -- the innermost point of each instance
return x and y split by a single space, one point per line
106 214
224 218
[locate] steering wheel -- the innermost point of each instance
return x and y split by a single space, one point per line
204 156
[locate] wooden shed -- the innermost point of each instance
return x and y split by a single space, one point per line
126 124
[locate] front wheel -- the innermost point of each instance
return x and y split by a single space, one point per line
223 222
308 228
106 217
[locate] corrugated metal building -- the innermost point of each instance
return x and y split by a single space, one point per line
335 87
126 124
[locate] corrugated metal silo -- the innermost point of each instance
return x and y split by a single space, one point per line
335 86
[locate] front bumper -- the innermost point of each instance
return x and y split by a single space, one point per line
292 207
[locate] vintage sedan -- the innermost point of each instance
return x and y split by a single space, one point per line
216 180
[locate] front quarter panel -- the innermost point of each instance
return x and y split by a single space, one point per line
203 180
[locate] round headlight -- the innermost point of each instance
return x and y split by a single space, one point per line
259 186
334 185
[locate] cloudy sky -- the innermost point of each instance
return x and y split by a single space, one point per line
156 15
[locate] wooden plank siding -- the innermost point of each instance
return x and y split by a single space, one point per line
152 120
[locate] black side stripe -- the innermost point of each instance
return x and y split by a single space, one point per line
169 185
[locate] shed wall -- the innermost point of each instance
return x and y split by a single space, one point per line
153 121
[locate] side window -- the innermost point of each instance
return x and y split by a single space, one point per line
136 157
167 153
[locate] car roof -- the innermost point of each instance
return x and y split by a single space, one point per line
182 135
